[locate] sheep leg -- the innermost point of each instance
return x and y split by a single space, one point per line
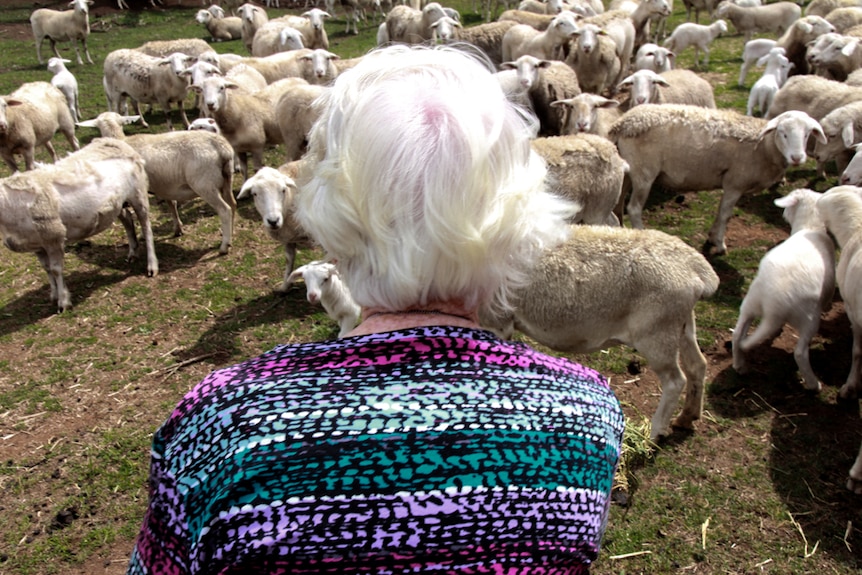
743 323
86 50
807 330
719 226
48 146
290 259
51 259
662 353
30 160
7 156
175 214
694 368
854 481
39 50
56 52
225 214
138 112
640 192
850 388
141 206
129 225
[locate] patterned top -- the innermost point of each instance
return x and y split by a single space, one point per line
434 449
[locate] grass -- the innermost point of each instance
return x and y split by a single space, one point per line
81 392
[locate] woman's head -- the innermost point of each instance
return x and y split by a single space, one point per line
421 182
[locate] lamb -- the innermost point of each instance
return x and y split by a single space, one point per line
406 25
689 148
586 169
323 284
589 114
253 17
274 195
795 282
824 7
522 39
146 79
796 39
29 117
65 81
697 35
813 95
671 87
295 115
182 166
654 57
76 198
607 286
643 13
763 91
69 26
220 29
753 51
774 18
595 59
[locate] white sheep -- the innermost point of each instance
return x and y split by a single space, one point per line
146 80
844 18
654 57
313 66
843 129
193 47
835 56
253 17
274 195
295 116
697 6
824 7
697 35
76 198
753 51
444 30
310 25
852 174
813 95
522 39
182 166
689 148
795 282
619 26
608 285
556 81
538 21
220 28
29 117
488 37
276 36
671 87
324 285
206 124
589 114
65 81
775 18
407 25
595 60
796 39
68 26
586 169
764 89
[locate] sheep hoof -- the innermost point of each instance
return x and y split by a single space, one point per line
847 392
684 421
854 485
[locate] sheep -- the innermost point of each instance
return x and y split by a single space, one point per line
65 81
589 114
29 117
76 198
253 17
813 95
295 116
314 66
182 166
843 129
538 21
654 57
71 25
193 47
645 11
487 37
824 7
671 87
355 10
518 77
796 39
795 282
753 51
697 35
247 120
323 284
586 169
844 18
595 59
852 174
224 28
406 25
854 78
775 18
764 89
274 195
443 31
522 39
620 28
557 81
610 285
276 36
206 124
697 6
689 148
310 25
146 79
835 56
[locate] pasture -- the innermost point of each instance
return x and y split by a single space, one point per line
757 488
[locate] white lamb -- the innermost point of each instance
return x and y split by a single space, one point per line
274 195
764 89
69 26
795 282
753 51
76 198
697 35
65 81
689 148
607 286
323 285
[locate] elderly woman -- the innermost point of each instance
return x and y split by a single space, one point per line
419 442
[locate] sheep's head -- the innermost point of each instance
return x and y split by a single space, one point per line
790 131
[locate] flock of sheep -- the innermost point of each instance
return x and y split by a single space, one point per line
615 119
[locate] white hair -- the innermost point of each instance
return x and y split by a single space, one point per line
421 182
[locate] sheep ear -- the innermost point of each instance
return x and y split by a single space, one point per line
13 102
805 27
628 81
296 274
847 135
508 66
661 81
606 103
244 191
850 47
786 201
88 123
562 103
129 119
817 130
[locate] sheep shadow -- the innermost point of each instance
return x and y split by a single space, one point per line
171 257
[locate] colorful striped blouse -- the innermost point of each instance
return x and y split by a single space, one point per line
427 450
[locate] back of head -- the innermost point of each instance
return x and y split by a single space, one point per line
421 182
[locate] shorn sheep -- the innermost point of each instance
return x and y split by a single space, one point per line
654 57
813 95
182 166
689 148
697 35
274 194
29 117
775 18
323 285
76 198
609 285
295 115
595 59
65 81
220 29
795 282
407 25
70 25
841 209
671 87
